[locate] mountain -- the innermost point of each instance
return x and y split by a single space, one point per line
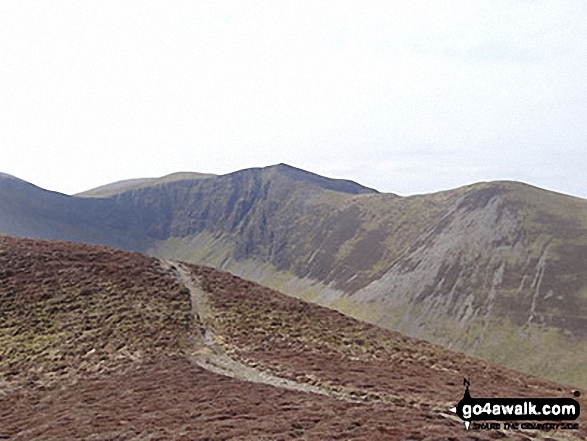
97 343
29 211
133 184
494 269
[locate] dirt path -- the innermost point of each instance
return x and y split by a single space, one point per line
210 356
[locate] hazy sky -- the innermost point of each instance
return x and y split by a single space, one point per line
404 96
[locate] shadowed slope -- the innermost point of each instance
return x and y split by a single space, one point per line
29 211
134 184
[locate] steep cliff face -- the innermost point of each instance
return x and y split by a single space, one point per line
274 215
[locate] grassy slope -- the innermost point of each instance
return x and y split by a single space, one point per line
501 277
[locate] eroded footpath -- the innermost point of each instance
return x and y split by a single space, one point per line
212 357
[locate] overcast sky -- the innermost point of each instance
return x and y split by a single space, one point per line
405 96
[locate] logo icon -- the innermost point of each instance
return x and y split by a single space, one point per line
511 409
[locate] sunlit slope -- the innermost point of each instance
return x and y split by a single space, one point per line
69 309
501 274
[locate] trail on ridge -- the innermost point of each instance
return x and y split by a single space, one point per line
212 357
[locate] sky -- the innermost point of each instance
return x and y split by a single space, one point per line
404 96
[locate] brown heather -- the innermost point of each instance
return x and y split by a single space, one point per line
101 344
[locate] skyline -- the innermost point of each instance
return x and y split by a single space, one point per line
406 98
106 184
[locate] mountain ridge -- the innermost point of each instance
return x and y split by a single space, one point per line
485 268
133 184
297 174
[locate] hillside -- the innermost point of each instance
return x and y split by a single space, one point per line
103 344
134 184
494 269
29 211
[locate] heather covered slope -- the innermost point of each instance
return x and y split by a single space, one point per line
69 309
103 344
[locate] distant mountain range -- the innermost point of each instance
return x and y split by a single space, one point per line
496 269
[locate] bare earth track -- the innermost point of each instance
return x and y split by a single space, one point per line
210 356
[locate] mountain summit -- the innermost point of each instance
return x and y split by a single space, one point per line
339 185
293 173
